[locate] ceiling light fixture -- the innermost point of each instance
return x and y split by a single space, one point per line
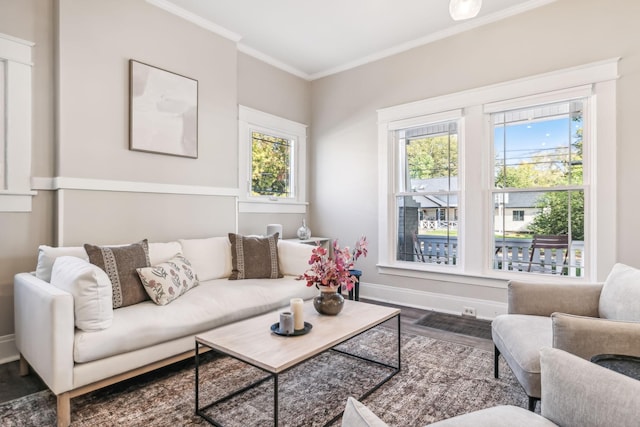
464 9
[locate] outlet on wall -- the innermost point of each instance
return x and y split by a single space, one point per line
469 311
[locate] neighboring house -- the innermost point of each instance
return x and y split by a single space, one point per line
439 209
517 209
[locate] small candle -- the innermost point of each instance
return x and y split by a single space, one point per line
298 316
286 323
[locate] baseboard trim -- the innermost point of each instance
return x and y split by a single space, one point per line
453 304
8 350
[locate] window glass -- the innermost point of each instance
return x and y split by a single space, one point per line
427 198
271 165
539 166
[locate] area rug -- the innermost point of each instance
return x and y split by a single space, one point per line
457 324
438 380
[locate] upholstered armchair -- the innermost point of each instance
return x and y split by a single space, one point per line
582 319
574 393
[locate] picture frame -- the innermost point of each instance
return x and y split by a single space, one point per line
163 111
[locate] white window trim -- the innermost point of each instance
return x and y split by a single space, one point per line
16 196
474 133
250 120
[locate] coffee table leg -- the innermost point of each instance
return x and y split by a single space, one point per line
197 375
275 400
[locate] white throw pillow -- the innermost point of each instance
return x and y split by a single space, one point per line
47 256
167 281
211 257
91 290
293 257
620 294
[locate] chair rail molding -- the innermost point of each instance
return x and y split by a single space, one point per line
70 183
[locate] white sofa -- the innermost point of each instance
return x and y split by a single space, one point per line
143 336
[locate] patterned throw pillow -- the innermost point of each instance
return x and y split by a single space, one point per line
167 281
254 257
120 263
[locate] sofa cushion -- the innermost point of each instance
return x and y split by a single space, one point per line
620 293
120 264
47 256
91 290
357 415
254 257
166 281
158 252
293 257
210 304
210 257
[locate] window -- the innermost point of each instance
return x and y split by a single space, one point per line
15 125
538 164
271 166
512 168
426 196
272 163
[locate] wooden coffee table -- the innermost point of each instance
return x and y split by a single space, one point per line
251 341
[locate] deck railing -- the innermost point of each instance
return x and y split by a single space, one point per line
509 255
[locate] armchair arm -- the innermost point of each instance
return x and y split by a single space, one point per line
44 330
588 336
542 299
580 393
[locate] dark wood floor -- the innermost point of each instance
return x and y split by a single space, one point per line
13 386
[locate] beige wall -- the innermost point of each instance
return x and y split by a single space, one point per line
21 233
81 53
563 34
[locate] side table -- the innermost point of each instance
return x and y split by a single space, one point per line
625 365
354 293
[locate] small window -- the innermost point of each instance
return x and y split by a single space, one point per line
272 163
518 215
271 166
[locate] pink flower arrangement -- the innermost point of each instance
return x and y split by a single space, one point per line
334 272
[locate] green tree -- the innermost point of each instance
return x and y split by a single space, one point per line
433 157
554 213
270 166
554 217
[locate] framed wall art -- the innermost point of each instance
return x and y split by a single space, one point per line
163 110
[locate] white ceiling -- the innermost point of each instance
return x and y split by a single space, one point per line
313 39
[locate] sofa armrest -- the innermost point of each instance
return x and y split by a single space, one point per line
587 336
44 330
542 299
576 392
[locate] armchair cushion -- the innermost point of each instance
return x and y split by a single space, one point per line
576 392
519 338
620 290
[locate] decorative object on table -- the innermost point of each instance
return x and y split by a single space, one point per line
273 229
330 274
275 328
163 111
286 323
297 308
304 232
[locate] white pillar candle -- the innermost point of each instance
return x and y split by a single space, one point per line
297 310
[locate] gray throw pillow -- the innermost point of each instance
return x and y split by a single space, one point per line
254 257
120 264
